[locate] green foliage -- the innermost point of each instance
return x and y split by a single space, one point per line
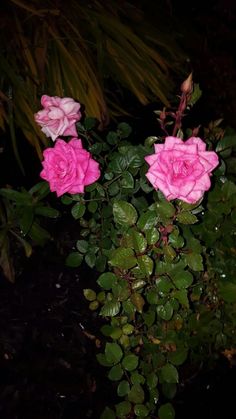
166 271
20 215
166 287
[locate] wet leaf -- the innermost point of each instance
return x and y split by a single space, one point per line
165 311
123 388
110 309
113 353
166 411
169 373
136 394
130 362
115 373
107 280
123 258
74 259
124 213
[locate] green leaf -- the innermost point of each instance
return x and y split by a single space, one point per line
139 283
113 353
92 206
130 362
228 189
139 241
90 259
74 259
145 185
78 210
128 329
103 361
147 220
194 261
27 247
175 239
182 279
182 297
115 373
123 409
166 411
124 213
118 164
40 190
138 301
123 388
66 200
152 296
137 378
165 311
141 410
114 188
169 253
17 197
101 263
169 390
164 285
89 294
124 130
26 219
112 137
127 180
123 258
108 414
47 212
93 305
149 141
136 394
169 373
195 96
82 246
90 123
149 317
178 357
186 217
228 292
107 280
39 234
146 265
226 142
152 380
152 236
165 209
110 309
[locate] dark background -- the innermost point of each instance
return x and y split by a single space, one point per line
48 368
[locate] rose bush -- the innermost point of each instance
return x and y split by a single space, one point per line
58 116
181 170
157 290
68 167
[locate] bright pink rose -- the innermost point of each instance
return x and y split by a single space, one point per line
68 167
58 116
181 169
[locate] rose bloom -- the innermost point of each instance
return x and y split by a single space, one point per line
68 167
181 169
58 116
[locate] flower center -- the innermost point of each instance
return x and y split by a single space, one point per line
181 168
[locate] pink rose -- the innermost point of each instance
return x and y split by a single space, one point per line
68 167
58 116
181 169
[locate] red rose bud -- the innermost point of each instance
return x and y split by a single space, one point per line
187 85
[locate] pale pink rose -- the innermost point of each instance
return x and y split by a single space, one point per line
58 116
68 167
181 169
